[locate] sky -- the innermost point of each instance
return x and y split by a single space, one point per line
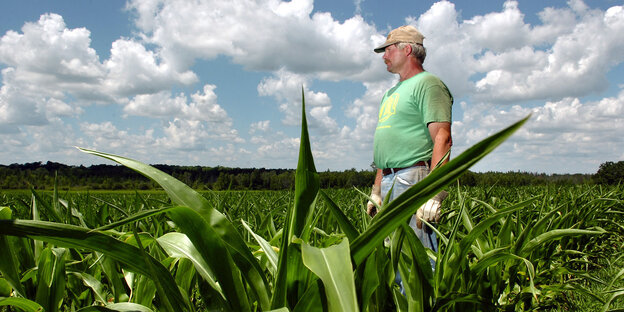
219 83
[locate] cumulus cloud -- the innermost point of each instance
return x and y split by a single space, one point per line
53 71
286 87
568 55
200 107
191 124
499 68
561 136
261 35
132 69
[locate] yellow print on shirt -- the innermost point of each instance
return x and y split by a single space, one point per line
388 107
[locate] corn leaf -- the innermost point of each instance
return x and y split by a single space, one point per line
183 195
178 245
340 217
333 266
8 259
265 246
99 292
78 237
291 277
21 303
215 253
117 307
553 235
51 278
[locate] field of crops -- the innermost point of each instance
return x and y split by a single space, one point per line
508 266
501 249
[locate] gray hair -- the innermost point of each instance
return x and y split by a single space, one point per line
418 50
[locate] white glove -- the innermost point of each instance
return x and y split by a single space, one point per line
430 211
375 197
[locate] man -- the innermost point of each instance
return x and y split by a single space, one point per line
414 129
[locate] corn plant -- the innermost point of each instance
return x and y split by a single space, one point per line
188 255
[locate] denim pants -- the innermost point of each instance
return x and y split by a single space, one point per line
400 181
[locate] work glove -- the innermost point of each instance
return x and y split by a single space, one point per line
375 197
430 211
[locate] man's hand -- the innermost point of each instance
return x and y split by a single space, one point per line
371 209
430 211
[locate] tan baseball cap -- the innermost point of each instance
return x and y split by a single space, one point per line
407 34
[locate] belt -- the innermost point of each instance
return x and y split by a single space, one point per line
422 163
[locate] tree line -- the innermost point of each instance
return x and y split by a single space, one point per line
40 175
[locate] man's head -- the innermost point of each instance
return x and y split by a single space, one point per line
407 34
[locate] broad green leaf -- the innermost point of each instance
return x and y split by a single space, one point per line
115 278
185 275
21 303
48 210
340 217
78 237
164 301
553 235
370 281
407 203
333 266
8 259
51 278
117 307
443 303
183 195
265 246
291 280
143 290
419 285
96 286
215 253
313 300
484 225
178 245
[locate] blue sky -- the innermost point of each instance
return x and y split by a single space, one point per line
218 83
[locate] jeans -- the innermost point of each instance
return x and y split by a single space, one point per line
402 180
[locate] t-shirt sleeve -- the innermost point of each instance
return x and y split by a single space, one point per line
438 104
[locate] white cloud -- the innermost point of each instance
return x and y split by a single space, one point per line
286 87
132 69
568 55
202 106
52 71
564 136
229 155
191 124
261 35
260 126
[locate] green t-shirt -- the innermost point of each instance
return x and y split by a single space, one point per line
402 137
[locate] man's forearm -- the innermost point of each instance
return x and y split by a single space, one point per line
378 177
442 141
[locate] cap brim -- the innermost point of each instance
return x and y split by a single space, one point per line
382 47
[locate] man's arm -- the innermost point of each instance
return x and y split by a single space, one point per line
375 195
441 135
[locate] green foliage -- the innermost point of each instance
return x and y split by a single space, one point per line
610 173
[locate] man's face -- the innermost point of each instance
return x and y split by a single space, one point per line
393 58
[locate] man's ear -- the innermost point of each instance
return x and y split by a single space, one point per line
408 49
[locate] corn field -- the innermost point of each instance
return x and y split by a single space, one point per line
501 249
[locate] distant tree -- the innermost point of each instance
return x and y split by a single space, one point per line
610 173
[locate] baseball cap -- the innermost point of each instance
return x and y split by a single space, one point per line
407 34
